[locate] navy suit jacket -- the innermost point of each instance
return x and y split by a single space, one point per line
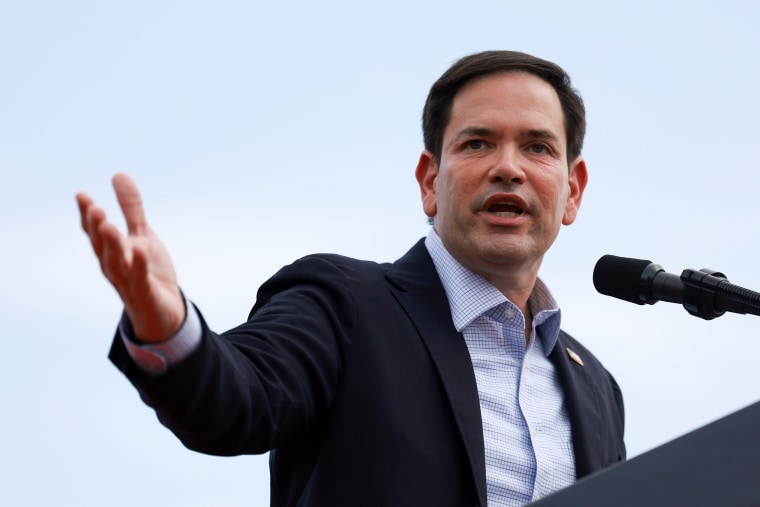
353 375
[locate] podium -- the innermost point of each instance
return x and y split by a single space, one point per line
717 465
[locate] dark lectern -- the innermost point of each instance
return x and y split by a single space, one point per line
717 465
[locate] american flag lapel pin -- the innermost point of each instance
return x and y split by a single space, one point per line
575 357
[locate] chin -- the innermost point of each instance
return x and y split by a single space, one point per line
510 252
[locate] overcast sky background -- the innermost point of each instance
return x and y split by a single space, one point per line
259 133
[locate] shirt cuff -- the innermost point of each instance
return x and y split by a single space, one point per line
156 358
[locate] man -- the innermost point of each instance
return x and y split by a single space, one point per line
441 379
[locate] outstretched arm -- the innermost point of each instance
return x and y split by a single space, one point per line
137 265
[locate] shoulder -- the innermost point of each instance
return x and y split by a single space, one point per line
334 279
334 270
330 269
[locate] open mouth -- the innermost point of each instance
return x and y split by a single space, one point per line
505 210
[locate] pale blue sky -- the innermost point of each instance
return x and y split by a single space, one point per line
262 132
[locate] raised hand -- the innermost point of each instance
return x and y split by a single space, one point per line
137 265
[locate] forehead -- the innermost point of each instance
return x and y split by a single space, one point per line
503 100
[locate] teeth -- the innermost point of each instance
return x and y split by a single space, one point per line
505 210
506 214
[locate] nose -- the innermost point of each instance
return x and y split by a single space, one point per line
506 167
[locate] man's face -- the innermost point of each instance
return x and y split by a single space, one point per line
502 187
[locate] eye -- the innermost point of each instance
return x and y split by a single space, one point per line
475 144
538 148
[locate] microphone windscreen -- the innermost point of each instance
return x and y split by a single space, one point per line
620 277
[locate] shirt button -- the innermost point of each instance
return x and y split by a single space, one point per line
510 313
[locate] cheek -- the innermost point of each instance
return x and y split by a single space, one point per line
453 203
557 191
457 193
445 193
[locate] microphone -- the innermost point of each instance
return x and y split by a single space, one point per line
703 293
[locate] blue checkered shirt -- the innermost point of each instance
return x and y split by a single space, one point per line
526 430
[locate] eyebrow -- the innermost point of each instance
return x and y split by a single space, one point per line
474 131
545 135
540 134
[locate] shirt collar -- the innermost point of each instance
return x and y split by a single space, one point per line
470 295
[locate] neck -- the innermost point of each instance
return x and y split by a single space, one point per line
518 292
528 326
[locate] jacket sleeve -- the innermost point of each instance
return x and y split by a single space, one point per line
269 380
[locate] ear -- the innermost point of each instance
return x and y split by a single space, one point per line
577 180
427 175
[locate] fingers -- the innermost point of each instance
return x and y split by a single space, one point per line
109 245
131 203
84 202
91 217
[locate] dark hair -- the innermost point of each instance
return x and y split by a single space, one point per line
437 112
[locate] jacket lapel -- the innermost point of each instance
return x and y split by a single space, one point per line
421 294
580 400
